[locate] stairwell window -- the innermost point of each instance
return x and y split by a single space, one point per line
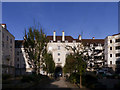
58 54
110 62
110 48
110 41
58 59
110 55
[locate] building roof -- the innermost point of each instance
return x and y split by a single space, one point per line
67 38
71 39
116 34
19 43
93 41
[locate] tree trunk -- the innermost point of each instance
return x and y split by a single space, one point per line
80 81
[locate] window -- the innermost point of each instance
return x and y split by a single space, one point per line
58 59
58 47
110 62
7 38
10 40
117 40
110 55
117 47
58 54
17 59
17 65
17 53
118 62
10 46
2 43
110 41
3 35
110 48
118 55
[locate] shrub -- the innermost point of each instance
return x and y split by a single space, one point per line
33 78
6 76
74 78
89 81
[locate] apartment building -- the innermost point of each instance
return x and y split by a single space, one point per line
112 51
95 48
57 46
8 48
21 61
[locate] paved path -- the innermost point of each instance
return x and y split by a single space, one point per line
58 84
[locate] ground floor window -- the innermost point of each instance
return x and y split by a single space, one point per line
110 62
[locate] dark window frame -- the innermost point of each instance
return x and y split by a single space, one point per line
110 48
7 38
58 54
110 62
117 40
110 55
110 41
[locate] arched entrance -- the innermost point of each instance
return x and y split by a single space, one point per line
58 72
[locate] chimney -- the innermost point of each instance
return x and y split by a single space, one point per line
63 36
79 37
3 25
54 36
93 38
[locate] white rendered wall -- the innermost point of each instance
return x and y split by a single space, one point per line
53 48
113 51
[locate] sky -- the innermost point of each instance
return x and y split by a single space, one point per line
91 19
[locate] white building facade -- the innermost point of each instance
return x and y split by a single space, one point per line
57 46
8 48
112 51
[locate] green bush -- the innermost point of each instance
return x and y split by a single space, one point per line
87 79
6 76
33 78
74 78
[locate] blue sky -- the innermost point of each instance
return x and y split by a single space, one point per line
97 20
